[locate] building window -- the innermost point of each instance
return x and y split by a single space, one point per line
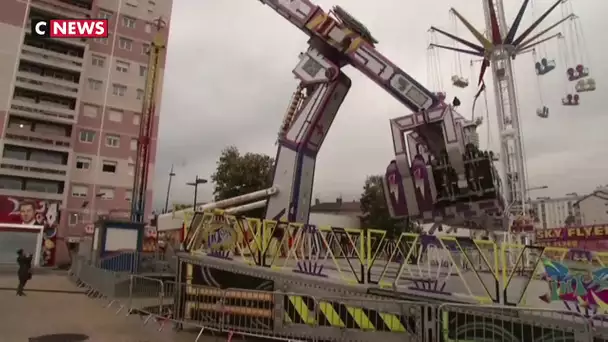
103 41
136 119
140 94
145 49
83 163
73 219
119 89
129 195
109 166
122 66
15 152
142 70
131 169
125 44
133 144
50 187
128 22
112 140
148 28
90 111
105 14
12 183
87 136
115 115
80 190
107 193
20 123
98 61
48 157
95 84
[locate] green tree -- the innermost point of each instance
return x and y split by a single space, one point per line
570 220
181 206
375 210
238 174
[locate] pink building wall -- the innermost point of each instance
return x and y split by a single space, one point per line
122 66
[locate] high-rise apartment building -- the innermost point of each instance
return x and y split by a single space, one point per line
70 112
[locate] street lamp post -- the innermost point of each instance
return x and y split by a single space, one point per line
195 184
534 188
171 175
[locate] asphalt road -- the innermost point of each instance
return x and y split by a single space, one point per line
54 305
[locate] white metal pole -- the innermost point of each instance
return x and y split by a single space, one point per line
511 149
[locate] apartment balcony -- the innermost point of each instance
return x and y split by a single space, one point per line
51 58
32 194
31 139
32 169
64 9
43 112
47 84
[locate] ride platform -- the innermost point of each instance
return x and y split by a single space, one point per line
328 282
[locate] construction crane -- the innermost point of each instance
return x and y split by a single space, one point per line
142 162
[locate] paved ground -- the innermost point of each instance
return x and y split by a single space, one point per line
53 305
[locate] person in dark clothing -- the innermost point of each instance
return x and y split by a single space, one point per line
25 270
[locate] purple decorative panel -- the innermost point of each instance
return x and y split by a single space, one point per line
396 193
422 185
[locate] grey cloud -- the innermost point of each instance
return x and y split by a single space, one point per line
228 82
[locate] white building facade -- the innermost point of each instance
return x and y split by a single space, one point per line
593 208
553 212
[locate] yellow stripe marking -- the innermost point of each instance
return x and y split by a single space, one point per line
331 315
302 309
392 322
361 318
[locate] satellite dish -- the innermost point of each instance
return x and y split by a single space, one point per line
350 22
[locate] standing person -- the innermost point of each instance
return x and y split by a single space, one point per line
25 270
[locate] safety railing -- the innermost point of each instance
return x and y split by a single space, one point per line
286 316
474 270
139 262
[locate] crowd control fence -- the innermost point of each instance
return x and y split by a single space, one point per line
282 316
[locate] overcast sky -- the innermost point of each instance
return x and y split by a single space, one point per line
228 81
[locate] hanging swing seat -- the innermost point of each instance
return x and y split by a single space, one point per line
544 66
578 72
543 112
585 85
501 73
571 100
459 81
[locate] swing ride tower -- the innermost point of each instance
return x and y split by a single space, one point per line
498 49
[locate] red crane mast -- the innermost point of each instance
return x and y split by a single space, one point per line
142 162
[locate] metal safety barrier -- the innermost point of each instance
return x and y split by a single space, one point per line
284 316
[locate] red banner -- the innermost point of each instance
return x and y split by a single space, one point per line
37 212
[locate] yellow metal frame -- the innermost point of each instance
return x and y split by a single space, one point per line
367 247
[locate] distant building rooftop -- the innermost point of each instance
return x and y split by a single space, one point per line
338 206
602 194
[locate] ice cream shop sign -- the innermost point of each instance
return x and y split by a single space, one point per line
599 232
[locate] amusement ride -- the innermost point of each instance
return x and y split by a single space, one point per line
497 50
333 283
439 175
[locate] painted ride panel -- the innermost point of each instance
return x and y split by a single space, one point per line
328 272
440 174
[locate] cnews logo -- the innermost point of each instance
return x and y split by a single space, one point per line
70 28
